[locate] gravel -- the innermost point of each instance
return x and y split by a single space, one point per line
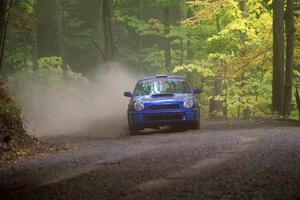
223 160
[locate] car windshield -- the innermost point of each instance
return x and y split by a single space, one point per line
161 86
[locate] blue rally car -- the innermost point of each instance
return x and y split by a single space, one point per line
163 101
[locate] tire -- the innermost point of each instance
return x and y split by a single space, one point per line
180 127
133 130
195 125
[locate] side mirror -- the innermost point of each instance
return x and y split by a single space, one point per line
127 94
197 90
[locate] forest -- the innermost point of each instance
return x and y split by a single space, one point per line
245 54
67 130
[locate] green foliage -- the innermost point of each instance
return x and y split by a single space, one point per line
9 109
50 78
199 74
199 68
49 73
239 55
210 41
51 70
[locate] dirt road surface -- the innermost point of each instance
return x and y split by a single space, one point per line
223 160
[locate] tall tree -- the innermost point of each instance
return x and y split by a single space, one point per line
278 56
47 34
60 29
107 11
243 36
141 37
3 7
3 26
215 106
167 40
189 52
34 44
290 45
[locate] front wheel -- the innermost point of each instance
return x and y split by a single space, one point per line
133 130
195 125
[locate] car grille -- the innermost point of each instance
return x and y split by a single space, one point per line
164 117
164 107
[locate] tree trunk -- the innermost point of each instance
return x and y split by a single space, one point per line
167 40
243 8
107 11
3 27
243 37
141 39
34 44
297 97
181 52
278 56
60 30
225 109
290 45
3 7
47 34
189 52
34 49
215 106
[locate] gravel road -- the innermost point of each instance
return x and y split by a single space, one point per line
223 160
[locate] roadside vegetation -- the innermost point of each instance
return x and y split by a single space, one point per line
15 143
245 54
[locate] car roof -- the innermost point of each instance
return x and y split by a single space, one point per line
163 77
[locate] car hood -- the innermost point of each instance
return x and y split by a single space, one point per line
167 98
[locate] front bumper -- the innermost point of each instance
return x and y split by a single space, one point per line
163 117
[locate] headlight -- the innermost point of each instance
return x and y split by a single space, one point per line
138 106
188 103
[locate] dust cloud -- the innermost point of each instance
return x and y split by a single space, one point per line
97 108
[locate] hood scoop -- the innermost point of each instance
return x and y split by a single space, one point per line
163 95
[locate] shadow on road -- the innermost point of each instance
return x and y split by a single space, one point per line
206 125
